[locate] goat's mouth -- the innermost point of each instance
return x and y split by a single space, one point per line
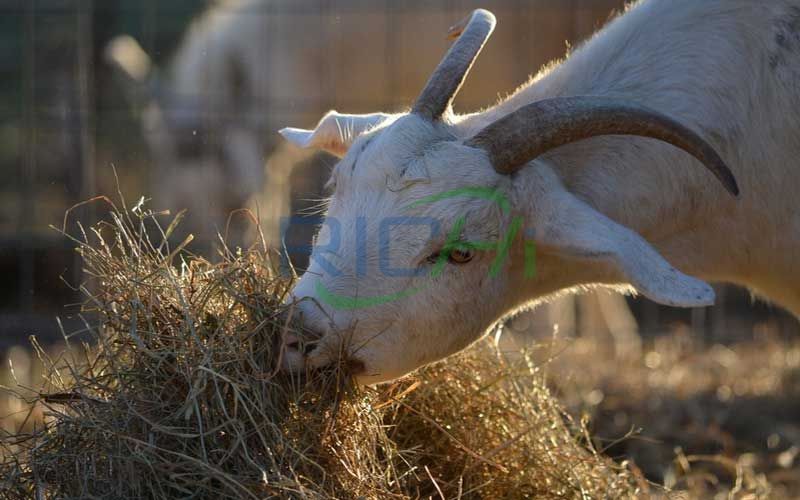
301 355
349 366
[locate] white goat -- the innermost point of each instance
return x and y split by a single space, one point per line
610 210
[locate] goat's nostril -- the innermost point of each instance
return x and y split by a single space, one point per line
305 347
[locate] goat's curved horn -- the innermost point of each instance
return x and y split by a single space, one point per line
443 85
542 126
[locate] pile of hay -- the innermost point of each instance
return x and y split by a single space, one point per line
178 396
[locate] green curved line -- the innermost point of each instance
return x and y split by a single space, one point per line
341 302
485 193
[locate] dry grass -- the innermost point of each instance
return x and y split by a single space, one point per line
177 395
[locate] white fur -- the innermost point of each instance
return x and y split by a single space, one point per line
609 211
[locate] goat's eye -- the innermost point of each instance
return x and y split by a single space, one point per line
455 256
460 256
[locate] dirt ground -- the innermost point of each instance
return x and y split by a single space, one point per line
713 421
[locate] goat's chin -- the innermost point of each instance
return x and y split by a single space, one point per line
378 369
374 377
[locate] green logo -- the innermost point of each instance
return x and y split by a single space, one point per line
453 242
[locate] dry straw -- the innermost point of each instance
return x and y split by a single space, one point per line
177 396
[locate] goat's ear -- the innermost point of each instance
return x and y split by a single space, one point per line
129 59
334 133
570 228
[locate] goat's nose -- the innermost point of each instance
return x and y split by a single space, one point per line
300 354
295 342
304 347
293 352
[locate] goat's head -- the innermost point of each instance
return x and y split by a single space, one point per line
423 249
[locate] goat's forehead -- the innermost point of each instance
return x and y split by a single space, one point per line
381 154
404 139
